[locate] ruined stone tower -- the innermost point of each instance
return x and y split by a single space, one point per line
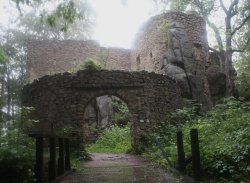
173 44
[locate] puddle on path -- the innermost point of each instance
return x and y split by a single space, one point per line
119 168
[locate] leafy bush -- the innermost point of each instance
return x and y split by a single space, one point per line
17 150
224 134
243 77
90 64
15 167
115 139
121 113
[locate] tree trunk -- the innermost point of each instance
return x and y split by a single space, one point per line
229 69
3 83
230 74
8 93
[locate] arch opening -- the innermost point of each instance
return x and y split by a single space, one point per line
107 117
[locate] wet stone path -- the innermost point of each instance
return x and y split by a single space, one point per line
118 168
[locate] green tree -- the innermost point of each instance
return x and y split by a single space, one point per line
14 52
243 75
3 59
64 13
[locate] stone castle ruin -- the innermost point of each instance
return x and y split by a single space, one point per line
171 44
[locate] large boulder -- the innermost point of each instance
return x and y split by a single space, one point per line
181 63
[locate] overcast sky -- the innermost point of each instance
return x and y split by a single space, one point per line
116 23
117 20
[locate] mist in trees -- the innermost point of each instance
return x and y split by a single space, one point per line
67 20
74 19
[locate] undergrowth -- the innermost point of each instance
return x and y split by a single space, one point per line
114 139
224 134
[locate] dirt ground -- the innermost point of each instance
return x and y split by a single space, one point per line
119 168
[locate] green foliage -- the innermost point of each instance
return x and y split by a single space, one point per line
179 5
90 64
97 63
68 131
243 77
120 113
225 139
79 154
184 115
17 150
224 134
25 2
114 139
3 56
78 157
65 11
65 14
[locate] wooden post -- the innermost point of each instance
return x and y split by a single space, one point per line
39 160
181 153
61 159
195 154
67 155
52 160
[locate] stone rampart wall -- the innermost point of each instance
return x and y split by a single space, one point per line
50 57
62 99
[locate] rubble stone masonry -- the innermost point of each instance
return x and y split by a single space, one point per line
61 99
48 57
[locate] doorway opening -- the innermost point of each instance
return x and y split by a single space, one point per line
106 125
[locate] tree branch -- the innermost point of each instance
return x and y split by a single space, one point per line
239 51
241 25
242 50
235 12
248 40
231 8
217 34
214 50
223 6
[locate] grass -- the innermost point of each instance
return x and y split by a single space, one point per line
114 139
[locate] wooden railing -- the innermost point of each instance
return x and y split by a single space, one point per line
194 157
55 168
182 161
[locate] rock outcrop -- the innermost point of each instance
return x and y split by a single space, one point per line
181 62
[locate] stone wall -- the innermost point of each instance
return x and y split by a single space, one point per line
50 57
155 41
173 44
62 98
151 41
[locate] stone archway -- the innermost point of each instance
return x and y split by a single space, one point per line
113 93
61 99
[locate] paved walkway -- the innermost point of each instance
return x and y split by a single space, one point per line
118 168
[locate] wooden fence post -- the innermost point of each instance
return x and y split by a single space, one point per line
195 154
181 153
67 155
52 160
39 160
61 159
